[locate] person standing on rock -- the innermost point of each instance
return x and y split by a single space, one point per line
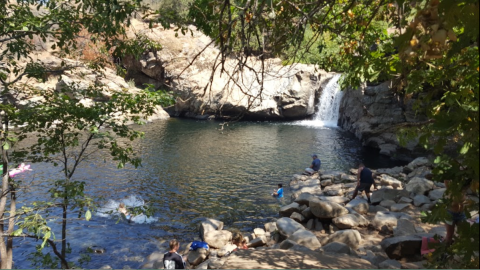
364 181
315 167
171 259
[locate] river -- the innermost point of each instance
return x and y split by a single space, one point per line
191 170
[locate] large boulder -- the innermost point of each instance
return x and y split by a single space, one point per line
350 221
334 190
291 259
217 239
351 238
288 226
404 227
335 199
420 200
402 247
386 180
305 238
388 194
324 209
258 242
210 225
386 221
436 194
288 210
304 198
419 186
270 227
359 205
197 256
336 247
297 217
418 162
311 186
307 213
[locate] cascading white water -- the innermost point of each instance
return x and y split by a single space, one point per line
329 105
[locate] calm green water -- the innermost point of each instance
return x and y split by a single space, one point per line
191 170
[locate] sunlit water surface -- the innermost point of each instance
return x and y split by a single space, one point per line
191 170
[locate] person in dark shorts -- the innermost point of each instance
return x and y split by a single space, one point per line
171 259
364 181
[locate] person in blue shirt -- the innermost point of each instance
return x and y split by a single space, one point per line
315 167
279 194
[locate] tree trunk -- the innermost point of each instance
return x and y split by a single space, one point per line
64 231
5 257
11 226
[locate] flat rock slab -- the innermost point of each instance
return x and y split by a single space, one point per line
288 226
291 259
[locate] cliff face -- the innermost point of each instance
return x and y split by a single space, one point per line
185 66
371 112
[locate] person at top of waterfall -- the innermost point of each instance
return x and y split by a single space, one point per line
122 209
364 181
171 259
315 167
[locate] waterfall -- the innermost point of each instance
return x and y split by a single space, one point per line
329 105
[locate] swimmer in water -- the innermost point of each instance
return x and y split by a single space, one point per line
122 209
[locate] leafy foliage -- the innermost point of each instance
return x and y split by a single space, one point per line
427 48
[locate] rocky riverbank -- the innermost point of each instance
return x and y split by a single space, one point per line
322 228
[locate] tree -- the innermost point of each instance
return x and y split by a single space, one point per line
427 48
61 122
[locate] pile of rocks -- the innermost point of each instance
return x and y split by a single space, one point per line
323 228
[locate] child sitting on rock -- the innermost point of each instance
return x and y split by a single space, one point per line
239 241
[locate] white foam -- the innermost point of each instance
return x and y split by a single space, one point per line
110 209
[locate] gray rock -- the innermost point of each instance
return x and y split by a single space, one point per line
436 194
259 231
359 205
216 263
203 265
351 238
335 199
419 186
374 258
386 180
377 208
348 178
258 242
311 186
420 200
336 247
196 257
387 203
350 221
288 210
398 207
440 230
304 198
334 190
287 244
210 225
319 225
325 209
271 227
298 217
394 172
418 162
224 251
300 248
403 247
288 226
307 213
404 227
388 194
385 221
310 224
326 183
217 239
405 200
390 264
421 172
305 238
427 207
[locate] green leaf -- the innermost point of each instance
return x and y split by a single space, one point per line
465 148
18 232
6 146
88 215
